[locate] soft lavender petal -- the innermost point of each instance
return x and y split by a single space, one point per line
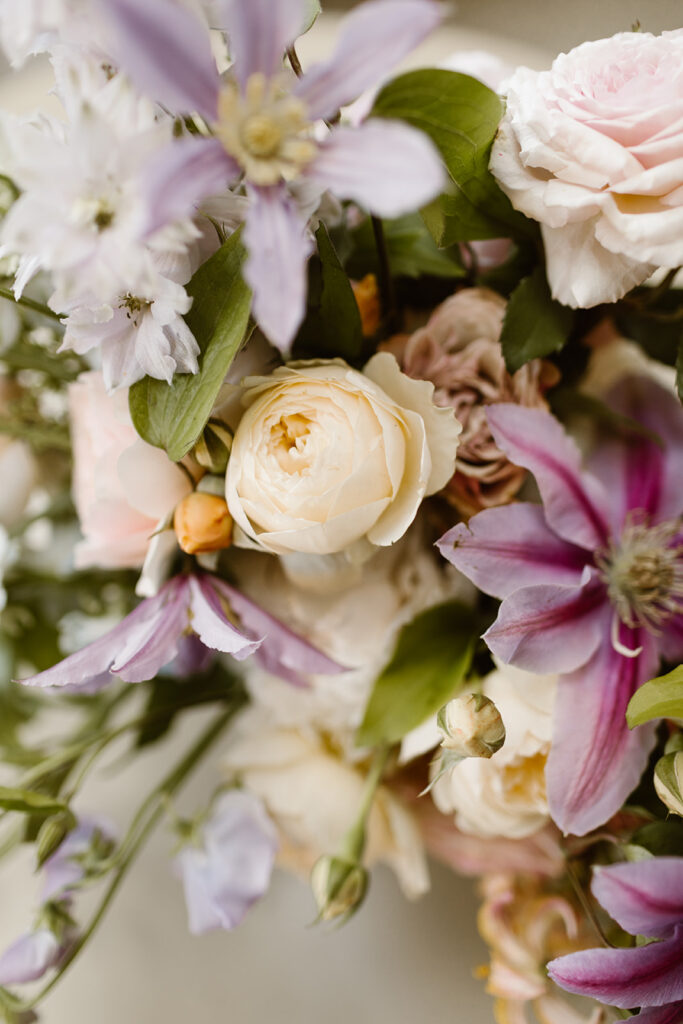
192 657
386 167
575 503
211 623
549 629
279 248
167 53
64 869
374 38
181 175
645 897
153 643
260 31
283 652
504 549
643 976
595 761
29 958
672 1013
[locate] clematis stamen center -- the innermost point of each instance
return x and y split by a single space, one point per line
643 571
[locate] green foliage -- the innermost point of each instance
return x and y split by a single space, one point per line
659 698
461 116
332 326
430 662
657 839
169 696
411 250
26 801
173 416
535 324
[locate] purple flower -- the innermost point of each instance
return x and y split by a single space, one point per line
30 957
262 123
232 868
644 898
592 585
65 869
150 637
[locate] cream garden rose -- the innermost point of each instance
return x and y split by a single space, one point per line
593 150
327 459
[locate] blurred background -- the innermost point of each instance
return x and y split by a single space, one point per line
395 961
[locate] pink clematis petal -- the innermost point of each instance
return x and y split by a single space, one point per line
645 898
260 31
549 629
669 1014
595 761
211 624
646 976
374 38
575 503
504 549
152 643
279 247
386 167
167 53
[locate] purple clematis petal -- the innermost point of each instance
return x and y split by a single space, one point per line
183 174
595 761
645 976
166 51
211 623
153 642
386 167
645 898
670 1014
30 957
549 629
260 31
279 248
575 503
672 639
504 549
373 39
231 870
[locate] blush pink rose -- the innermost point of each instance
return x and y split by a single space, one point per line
123 487
593 150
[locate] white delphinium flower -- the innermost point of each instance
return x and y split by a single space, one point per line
31 26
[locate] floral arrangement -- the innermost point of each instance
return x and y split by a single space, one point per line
341 404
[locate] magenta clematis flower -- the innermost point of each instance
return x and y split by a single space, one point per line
591 585
262 124
645 898
149 638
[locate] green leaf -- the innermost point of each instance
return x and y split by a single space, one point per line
461 116
168 696
659 698
29 802
661 838
429 664
332 326
535 325
411 249
173 416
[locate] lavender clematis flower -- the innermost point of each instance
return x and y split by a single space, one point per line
149 638
232 868
262 123
591 585
645 898
64 870
30 957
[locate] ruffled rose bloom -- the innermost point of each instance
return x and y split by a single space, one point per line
327 460
593 150
505 795
458 350
18 469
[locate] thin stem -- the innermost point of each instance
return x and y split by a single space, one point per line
585 903
37 307
386 281
295 62
654 294
353 843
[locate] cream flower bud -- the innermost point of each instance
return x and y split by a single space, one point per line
669 781
472 726
339 887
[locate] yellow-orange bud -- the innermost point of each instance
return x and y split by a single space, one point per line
202 523
369 306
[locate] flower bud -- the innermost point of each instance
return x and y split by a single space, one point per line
669 781
213 448
366 293
52 834
339 887
202 523
472 726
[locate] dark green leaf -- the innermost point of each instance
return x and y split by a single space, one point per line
168 696
28 802
461 116
659 698
429 664
173 416
332 326
661 838
411 249
535 324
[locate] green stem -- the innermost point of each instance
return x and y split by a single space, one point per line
585 902
386 281
295 62
353 843
36 307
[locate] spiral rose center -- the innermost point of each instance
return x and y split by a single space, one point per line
290 443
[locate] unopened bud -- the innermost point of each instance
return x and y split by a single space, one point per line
669 781
213 448
52 834
471 726
202 523
339 887
366 293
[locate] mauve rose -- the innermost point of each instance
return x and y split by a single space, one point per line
593 150
458 350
